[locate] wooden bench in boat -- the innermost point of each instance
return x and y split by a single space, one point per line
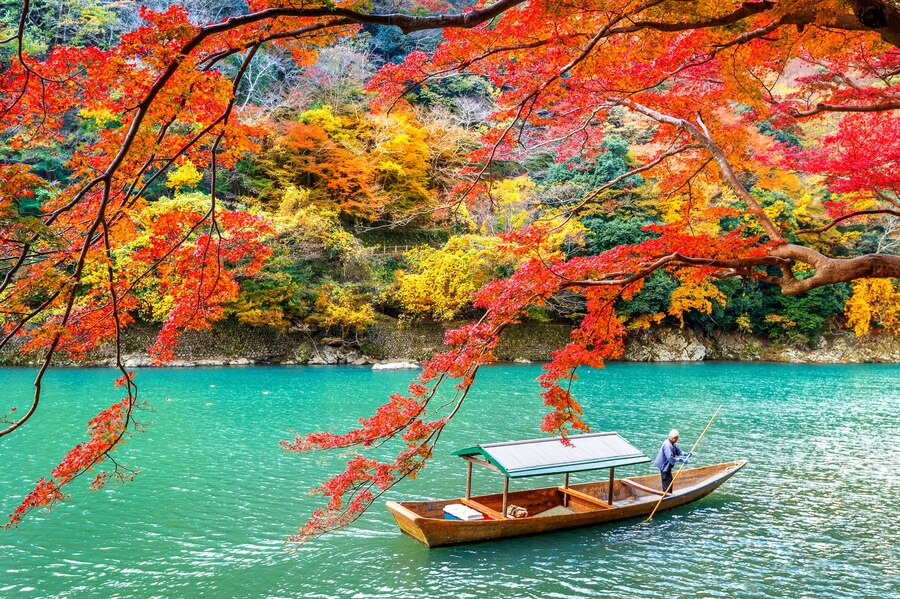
640 487
480 507
584 497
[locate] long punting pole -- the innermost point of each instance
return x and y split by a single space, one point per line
697 442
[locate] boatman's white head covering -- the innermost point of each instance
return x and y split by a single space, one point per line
673 433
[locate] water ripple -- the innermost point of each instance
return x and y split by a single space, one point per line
811 516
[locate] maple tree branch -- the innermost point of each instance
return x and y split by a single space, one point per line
28 317
209 62
749 36
824 107
848 216
747 9
887 198
7 279
875 16
829 271
75 279
20 31
704 138
676 259
130 385
213 223
406 23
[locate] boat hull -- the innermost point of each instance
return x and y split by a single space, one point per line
632 497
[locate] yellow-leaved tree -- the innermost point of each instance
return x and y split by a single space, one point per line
185 175
402 160
695 295
441 281
875 303
342 308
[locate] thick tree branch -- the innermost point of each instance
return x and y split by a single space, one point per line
677 259
747 9
406 23
848 216
829 271
881 16
823 107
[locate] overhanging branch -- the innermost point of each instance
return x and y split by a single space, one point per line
828 271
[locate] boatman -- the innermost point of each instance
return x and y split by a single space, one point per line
668 455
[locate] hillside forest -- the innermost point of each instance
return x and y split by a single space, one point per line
362 207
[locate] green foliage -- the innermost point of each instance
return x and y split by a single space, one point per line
67 23
762 309
448 92
654 297
389 44
605 233
590 174
785 136
779 207
811 311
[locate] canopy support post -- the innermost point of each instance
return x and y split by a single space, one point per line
505 494
469 480
612 482
566 486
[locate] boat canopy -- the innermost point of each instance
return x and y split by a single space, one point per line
534 457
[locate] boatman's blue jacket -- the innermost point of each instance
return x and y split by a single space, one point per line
665 459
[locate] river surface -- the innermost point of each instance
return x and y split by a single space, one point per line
814 514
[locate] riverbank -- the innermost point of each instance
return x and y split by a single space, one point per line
229 343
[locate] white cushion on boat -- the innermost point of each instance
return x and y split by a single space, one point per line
463 512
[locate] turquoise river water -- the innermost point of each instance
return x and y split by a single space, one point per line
813 515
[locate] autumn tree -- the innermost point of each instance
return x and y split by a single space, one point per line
441 282
735 93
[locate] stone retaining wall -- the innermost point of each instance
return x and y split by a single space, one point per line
231 343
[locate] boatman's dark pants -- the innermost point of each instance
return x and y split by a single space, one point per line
666 476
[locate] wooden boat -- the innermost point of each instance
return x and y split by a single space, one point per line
554 508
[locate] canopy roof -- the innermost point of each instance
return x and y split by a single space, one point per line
534 457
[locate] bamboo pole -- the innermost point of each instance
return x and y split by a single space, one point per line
697 442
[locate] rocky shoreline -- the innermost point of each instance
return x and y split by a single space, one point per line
387 342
